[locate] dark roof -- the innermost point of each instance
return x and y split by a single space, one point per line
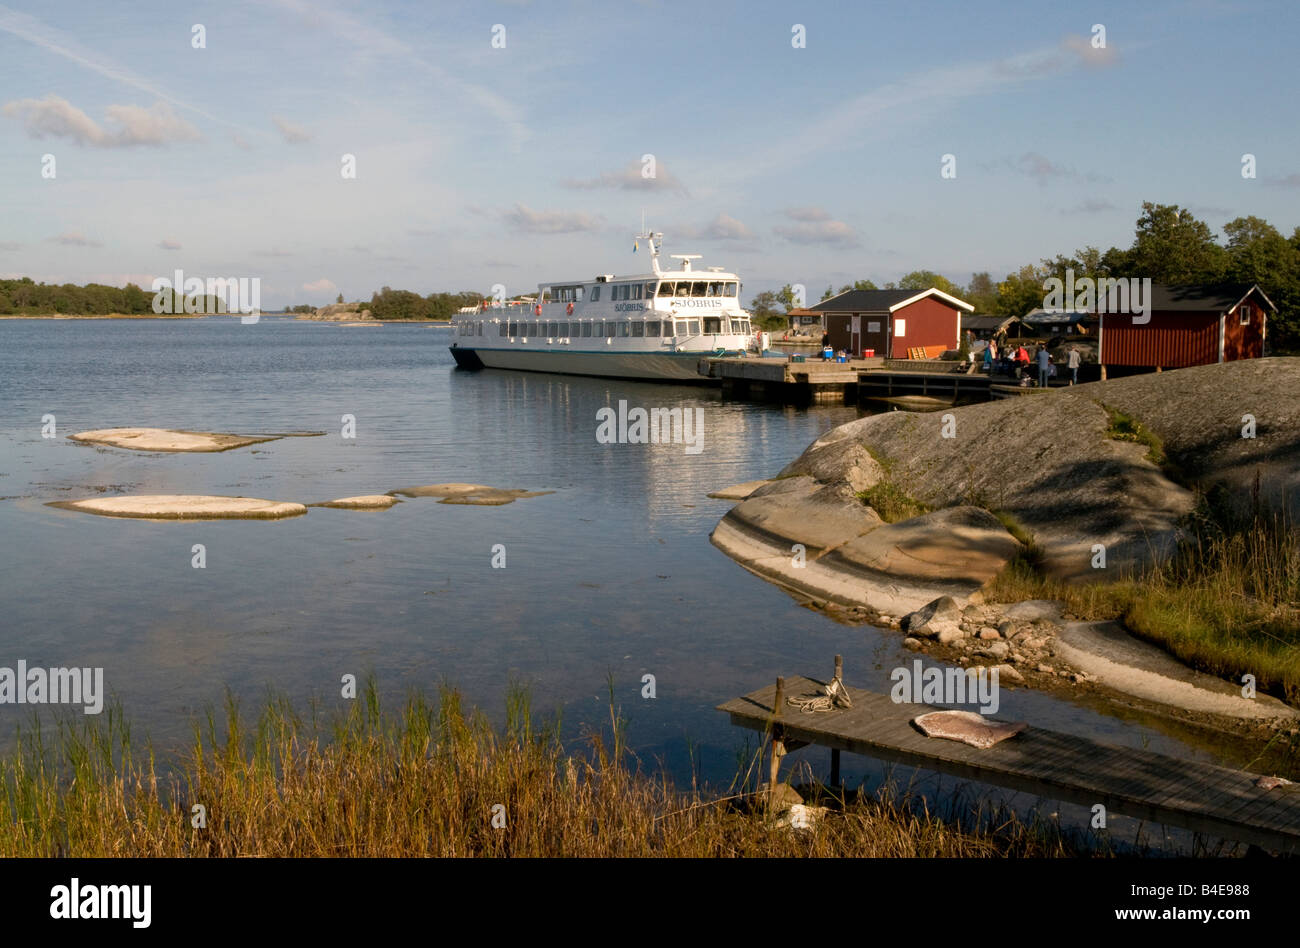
864 301
1218 297
983 321
1059 317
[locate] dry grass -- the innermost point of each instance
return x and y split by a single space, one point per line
1228 603
422 782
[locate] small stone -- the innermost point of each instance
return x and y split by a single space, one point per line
943 609
1045 668
964 660
911 643
1006 671
989 634
950 634
1006 627
997 650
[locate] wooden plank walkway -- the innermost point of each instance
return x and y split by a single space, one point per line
1200 797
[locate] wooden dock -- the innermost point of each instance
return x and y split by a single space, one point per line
1200 797
779 380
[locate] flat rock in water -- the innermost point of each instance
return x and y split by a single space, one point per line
361 502
473 494
967 727
738 491
185 507
169 439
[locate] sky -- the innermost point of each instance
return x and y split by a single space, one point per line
506 142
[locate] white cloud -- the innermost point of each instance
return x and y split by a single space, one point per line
722 227
320 286
125 125
293 134
550 222
816 226
807 214
75 239
631 178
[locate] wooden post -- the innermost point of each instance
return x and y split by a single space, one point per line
778 742
835 753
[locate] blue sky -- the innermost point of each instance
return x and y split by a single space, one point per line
479 165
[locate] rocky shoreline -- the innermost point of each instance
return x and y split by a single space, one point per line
902 520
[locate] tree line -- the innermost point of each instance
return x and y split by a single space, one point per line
1169 246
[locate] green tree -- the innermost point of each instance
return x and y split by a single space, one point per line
1022 291
982 293
766 310
1172 246
925 279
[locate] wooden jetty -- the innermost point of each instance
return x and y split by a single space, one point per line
780 380
1204 798
909 383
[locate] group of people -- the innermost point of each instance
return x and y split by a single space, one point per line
1016 361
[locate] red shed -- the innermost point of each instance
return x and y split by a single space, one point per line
894 323
1189 325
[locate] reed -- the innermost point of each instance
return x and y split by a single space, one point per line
425 780
1227 603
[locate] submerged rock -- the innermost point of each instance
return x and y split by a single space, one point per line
169 439
738 491
185 507
474 494
361 502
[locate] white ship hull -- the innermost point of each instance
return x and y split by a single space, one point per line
655 326
651 366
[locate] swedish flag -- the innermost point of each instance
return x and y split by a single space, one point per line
635 244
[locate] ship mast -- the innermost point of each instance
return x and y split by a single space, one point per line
655 241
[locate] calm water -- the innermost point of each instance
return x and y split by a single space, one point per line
611 575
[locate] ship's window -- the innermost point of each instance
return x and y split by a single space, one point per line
514 329
652 327
553 329
577 294
684 288
624 328
501 330
638 328
586 329
712 324
681 327
480 329
530 329
665 289
699 288
595 293
598 328
729 289
693 327
714 290
649 291
636 290
563 331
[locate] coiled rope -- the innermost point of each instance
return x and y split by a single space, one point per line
833 696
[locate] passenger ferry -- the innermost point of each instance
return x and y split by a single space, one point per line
655 326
